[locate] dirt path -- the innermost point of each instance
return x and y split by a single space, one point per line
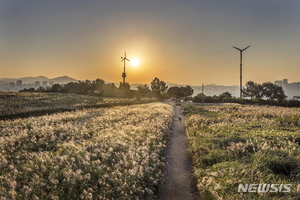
177 182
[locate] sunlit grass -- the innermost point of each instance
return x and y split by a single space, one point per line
232 145
13 103
107 153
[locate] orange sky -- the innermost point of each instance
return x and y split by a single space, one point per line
185 42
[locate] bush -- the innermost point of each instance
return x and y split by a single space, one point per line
293 103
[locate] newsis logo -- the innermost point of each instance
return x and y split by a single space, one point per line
260 188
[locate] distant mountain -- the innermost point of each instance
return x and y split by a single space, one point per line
7 80
169 84
30 79
63 79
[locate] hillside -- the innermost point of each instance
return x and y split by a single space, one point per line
30 79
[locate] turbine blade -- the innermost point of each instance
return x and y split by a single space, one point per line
246 48
237 48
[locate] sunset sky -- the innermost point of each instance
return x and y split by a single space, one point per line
179 41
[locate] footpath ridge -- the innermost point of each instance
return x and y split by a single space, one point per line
177 182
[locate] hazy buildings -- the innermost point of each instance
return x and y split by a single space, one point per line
285 85
45 83
19 84
37 84
212 89
290 89
279 83
12 86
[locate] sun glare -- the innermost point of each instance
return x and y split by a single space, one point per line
134 62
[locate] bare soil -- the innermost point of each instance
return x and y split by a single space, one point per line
177 181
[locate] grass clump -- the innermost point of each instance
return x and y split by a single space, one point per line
276 161
289 120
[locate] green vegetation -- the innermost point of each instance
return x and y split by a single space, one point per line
158 87
99 88
234 144
181 92
256 94
268 90
16 103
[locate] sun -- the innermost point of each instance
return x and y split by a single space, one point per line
134 62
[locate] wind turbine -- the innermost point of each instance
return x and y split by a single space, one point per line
123 59
241 76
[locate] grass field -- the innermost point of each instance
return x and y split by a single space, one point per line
233 145
14 103
104 153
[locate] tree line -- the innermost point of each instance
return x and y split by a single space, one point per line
262 94
98 87
266 90
252 90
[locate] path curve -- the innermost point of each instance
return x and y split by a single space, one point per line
177 181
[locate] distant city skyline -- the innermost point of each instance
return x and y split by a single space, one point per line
187 42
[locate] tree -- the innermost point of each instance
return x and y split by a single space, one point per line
279 93
175 91
124 90
86 87
158 86
109 90
124 86
188 91
180 91
267 89
72 87
252 90
143 88
225 97
143 91
56 88
272 91
199 98
97 85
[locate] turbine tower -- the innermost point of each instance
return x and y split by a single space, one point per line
241 76
123 59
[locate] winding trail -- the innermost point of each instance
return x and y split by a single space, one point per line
177 182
